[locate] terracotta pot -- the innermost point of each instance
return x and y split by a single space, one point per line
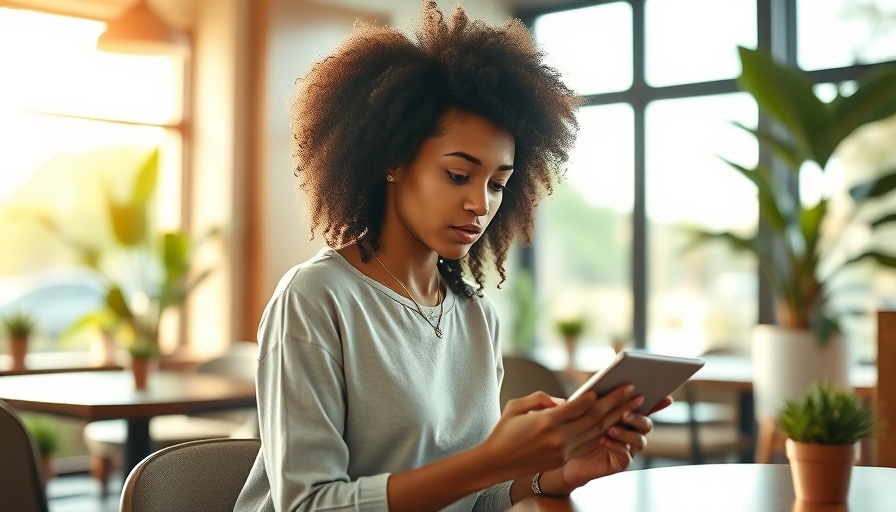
572 343
821 473
47 468
141 368
18 349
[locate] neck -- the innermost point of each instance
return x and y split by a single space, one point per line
420 281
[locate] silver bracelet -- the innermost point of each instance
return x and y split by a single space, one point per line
536 488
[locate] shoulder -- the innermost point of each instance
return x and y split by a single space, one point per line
315 289
322 271
307 302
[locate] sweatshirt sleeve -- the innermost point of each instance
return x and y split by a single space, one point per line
301 389
494 499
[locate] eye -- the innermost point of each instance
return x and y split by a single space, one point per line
496 187
457 178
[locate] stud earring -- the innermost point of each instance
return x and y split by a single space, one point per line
389 177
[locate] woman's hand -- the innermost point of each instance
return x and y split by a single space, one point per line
614 451
539 432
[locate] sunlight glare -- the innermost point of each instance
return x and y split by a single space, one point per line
58 68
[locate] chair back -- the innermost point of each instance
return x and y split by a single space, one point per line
21 478
200 476
239 365
523 376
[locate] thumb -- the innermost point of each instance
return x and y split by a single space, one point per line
534 402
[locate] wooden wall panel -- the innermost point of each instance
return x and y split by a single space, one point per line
885 396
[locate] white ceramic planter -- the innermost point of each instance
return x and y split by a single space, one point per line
787 361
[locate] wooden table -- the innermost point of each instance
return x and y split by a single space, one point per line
55 362
102 395
716 487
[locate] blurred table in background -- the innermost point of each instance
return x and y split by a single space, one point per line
715 487
56 362
103 395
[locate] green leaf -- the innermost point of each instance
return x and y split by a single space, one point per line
783 149
147 179
873 188
700 237
130 219
810 222
885 260
873 100
772 204
175 252
786 94
118 304
128 222
882 221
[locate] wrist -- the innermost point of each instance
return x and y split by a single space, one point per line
551 483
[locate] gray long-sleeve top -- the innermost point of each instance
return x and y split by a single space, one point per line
354 385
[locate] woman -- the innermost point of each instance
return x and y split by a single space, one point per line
379 365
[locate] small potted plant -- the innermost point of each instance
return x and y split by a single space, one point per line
46 437
822 428
18 326
570 330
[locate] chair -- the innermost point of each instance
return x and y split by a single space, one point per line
106 438
523 376
702 424
21 478
199 476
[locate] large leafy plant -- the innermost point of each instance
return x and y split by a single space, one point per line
146 272
800 252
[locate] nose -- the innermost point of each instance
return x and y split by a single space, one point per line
477 201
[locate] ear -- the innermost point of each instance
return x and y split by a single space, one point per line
392 174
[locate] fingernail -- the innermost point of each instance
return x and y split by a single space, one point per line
627 416
628 389
639 400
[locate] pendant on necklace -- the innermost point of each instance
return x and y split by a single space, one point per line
438 333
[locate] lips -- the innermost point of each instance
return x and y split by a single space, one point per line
467 233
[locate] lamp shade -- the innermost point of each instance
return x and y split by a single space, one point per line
141 31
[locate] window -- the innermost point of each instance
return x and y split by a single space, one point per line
647 163
74 124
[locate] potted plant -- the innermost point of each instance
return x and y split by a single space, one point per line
803 252
18 326
570 330
46 438
822 429
147 271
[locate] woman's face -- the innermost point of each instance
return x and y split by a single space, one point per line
446 197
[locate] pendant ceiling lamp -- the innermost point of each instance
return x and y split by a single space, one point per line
141 31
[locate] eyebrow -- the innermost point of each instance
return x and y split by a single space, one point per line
473 160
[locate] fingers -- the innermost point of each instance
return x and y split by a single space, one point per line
665 402
634 441
585 430
637 422
624 453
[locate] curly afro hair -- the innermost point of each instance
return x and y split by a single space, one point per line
369 106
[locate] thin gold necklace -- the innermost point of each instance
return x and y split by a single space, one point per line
435 326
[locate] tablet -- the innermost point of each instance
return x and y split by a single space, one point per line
654 376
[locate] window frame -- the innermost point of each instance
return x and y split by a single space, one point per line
776 23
